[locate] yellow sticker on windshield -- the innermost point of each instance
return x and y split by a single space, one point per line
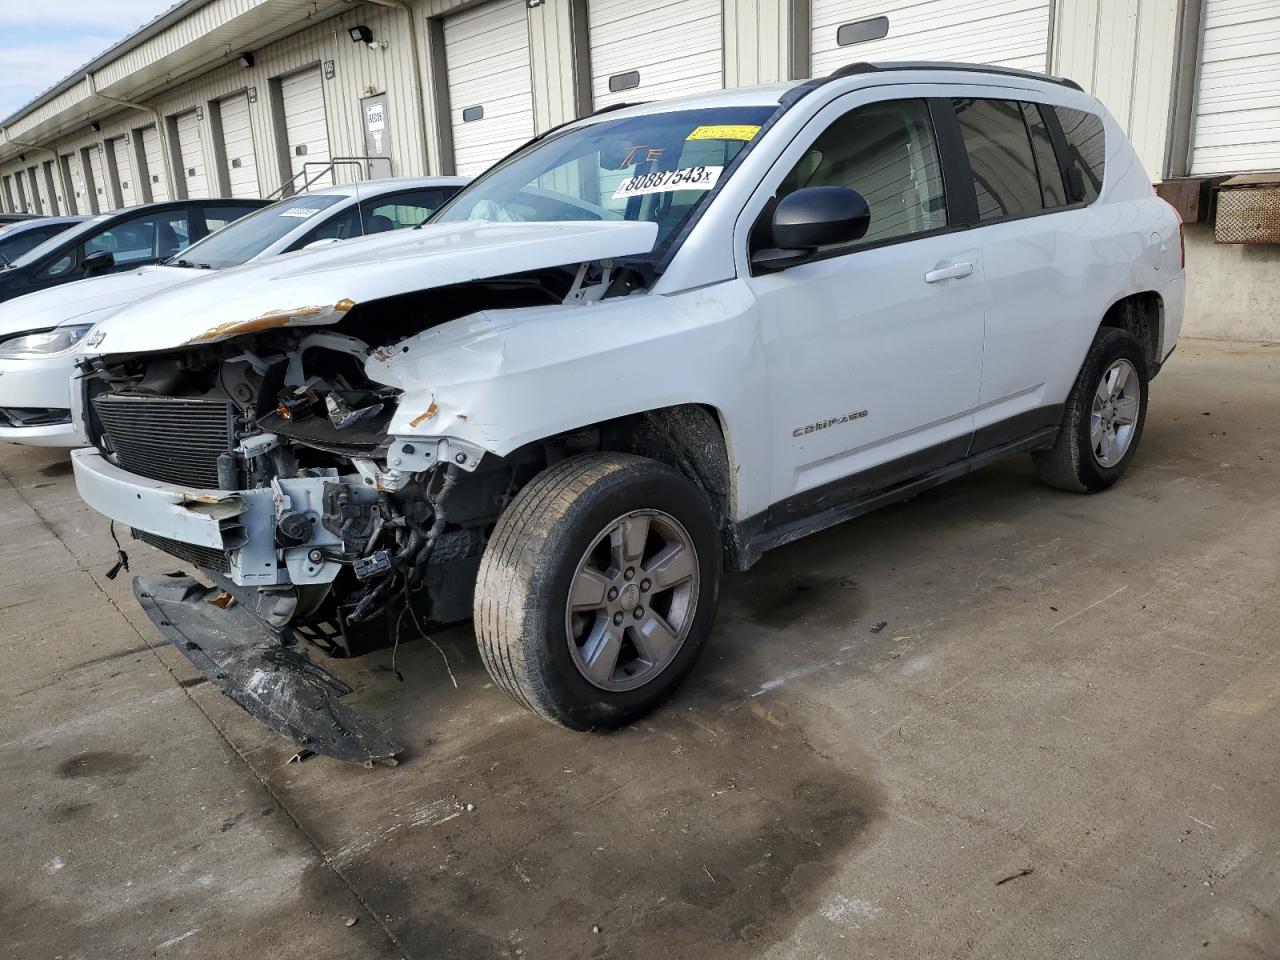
724 132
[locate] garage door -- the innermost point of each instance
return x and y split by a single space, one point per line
650 49
237 146
152 152
53 187
1007 33
490 85
191 151
1237 120
73 180
38 203
99 183
119 148
306 125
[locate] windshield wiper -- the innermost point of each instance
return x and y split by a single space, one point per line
188 264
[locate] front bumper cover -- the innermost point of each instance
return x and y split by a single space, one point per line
273 680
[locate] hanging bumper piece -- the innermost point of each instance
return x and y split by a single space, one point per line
271 679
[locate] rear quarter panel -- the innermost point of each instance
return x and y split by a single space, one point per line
1125 243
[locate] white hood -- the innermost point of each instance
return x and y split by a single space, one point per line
318 286
86 301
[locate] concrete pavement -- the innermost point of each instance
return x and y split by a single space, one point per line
1062 744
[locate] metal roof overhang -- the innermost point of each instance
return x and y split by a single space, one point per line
191 38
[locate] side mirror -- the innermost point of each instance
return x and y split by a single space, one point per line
811 218
99 260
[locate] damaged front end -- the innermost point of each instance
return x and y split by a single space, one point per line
265 461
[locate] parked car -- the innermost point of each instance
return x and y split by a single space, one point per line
118 241
23 236
19 217
772 310
39 332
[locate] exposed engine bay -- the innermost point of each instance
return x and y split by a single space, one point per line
335 530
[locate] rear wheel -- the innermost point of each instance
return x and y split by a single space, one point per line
598 589
1103 419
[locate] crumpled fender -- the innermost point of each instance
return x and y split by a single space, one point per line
500 379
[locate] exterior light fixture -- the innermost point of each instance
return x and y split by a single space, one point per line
246 60
361 34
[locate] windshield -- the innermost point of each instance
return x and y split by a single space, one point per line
247 237
56 242
656 168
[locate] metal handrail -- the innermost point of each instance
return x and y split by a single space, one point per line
363 165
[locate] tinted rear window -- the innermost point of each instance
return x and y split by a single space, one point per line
1086 151
1004 169
1051 188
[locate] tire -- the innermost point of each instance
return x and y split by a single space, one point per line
1074 463
548 540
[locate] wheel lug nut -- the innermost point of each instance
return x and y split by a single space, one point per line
617 619
638 613
613 593
630 573
645 585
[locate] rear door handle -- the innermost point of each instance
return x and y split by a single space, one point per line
955 271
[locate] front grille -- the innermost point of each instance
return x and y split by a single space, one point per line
172 440
206 557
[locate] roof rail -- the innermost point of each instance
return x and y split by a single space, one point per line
854 69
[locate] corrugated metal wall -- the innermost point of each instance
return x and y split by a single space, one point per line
1122 51
758 41
357 72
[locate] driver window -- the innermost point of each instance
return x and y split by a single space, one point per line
135 241
60 266
342 227
887 152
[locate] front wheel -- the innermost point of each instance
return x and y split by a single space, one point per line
598 589
1103 419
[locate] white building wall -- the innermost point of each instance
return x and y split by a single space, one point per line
1123 52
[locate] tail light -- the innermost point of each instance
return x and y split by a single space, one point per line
1182 236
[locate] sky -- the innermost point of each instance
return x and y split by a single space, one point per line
42 41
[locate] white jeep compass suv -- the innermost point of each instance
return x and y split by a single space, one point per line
641 350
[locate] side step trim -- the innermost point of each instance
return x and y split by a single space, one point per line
776 536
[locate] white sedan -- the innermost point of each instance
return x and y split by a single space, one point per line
40 332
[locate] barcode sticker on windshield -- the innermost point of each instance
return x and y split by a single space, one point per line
300 212
668 181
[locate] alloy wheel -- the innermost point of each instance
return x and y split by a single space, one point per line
632 600
1114 416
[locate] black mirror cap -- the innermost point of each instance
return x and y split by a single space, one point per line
100 260
820 216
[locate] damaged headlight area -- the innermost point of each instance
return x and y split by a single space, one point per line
334 518
265 462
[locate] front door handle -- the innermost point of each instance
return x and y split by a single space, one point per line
954 271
